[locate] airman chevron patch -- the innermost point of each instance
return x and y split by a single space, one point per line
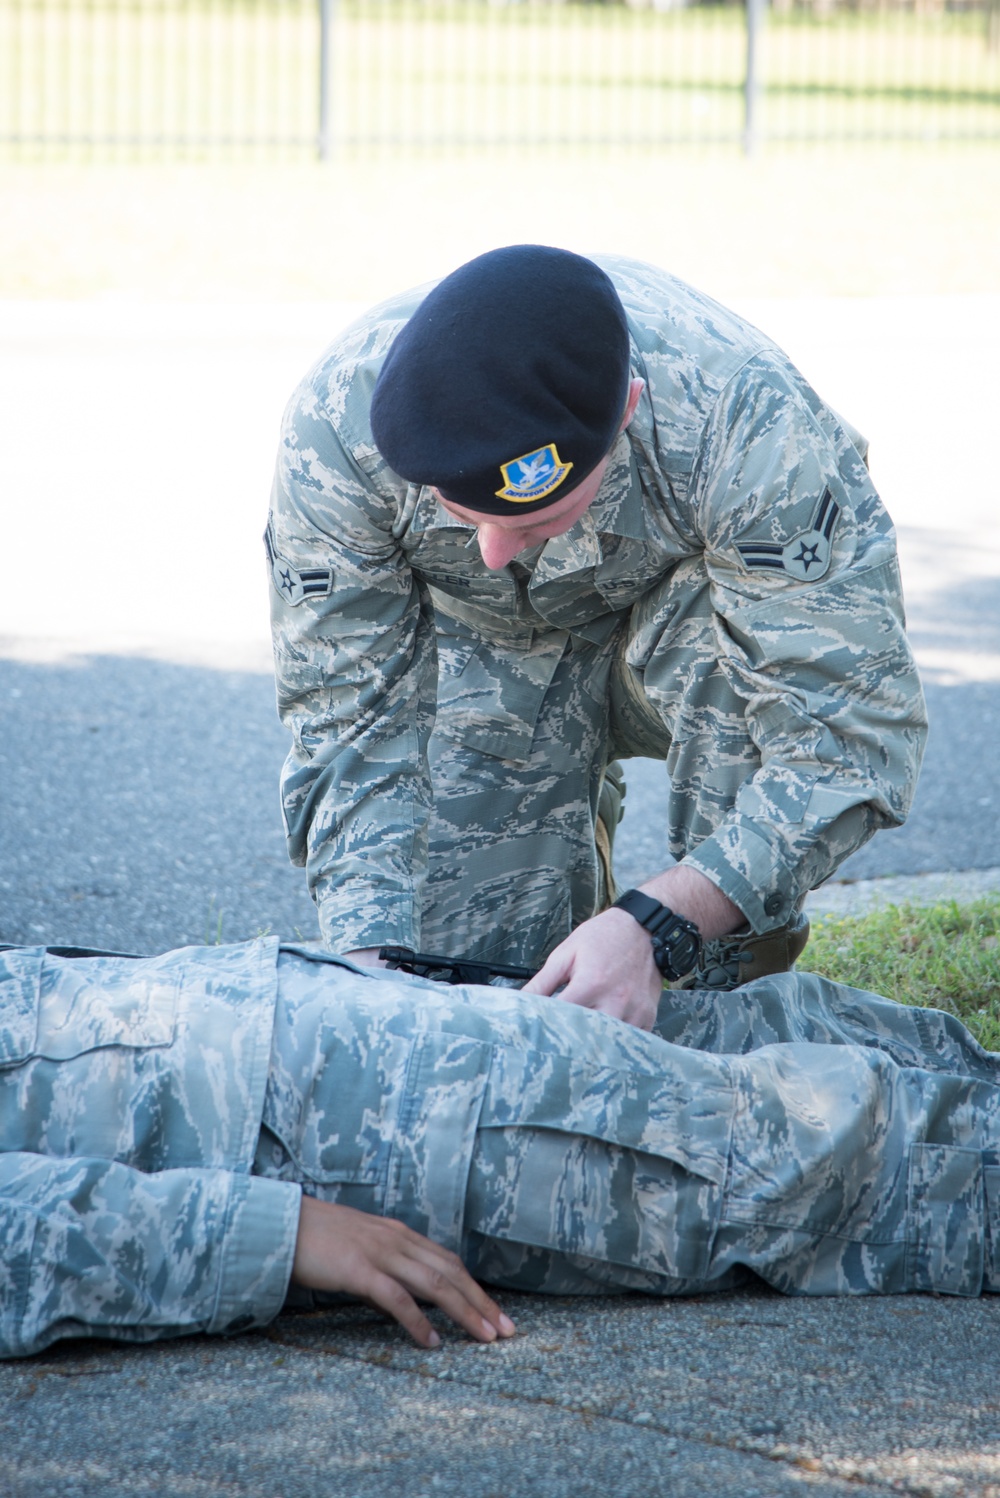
293 584
807 556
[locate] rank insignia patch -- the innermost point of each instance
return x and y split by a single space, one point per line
807 556
532 476
292 583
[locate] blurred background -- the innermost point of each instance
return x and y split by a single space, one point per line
196 194
293 78
331 149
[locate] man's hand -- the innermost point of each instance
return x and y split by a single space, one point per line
387 1264
607 962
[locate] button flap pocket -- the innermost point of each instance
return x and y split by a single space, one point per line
608 1163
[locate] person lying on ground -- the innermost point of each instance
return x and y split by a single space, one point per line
186 1138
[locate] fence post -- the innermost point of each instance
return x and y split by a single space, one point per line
324 141
751 92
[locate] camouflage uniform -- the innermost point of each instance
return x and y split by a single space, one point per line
159 1118
730 603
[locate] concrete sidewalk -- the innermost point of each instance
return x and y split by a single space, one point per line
731 1396
139 442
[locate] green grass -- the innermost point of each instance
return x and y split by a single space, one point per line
943 956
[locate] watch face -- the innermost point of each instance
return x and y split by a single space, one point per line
685 953
678 954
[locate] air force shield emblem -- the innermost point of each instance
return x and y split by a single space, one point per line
293 584
532 476
807 556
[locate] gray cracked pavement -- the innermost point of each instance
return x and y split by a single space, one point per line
736 1396
139 755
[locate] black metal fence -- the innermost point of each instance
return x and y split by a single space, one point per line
174 79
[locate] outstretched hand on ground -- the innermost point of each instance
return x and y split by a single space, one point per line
387 1264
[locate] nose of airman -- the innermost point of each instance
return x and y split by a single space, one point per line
498 546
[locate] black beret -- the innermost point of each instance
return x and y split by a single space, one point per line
509 383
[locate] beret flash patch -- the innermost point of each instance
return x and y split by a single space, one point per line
293 584
532 476
807 556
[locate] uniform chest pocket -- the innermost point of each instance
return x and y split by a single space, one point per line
57 1008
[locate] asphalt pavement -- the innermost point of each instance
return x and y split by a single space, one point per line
140 806
139 758
728 1396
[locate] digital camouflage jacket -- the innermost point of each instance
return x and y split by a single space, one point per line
731 460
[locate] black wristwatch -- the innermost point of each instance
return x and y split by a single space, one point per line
676 942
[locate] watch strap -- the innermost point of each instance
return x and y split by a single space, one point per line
676 941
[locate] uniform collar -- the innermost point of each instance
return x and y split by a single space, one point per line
617 510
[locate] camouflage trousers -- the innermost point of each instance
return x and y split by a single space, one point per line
523 736
826 1140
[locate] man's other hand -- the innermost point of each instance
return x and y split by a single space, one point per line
387 1264
605 964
